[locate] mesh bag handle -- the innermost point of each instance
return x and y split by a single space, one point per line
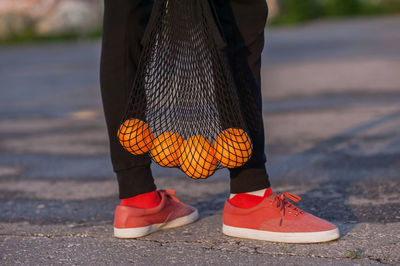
183 107
208 12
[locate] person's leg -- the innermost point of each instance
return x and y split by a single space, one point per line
243 23
123 27
142 210
270 216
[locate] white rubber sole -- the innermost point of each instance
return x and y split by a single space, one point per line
143 231
307 237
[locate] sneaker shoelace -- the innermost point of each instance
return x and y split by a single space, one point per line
284 204
170 194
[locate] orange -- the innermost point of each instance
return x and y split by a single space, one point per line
136 136
233 147
197 157
166 148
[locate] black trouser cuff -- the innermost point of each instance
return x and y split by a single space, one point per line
135 181
248 179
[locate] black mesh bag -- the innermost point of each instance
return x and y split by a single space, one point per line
183 108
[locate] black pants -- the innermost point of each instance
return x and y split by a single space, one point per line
242 23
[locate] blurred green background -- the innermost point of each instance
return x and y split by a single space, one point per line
44 20
297 11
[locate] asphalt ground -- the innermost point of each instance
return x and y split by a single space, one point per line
331 92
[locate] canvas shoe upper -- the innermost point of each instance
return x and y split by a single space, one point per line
131 222
277 219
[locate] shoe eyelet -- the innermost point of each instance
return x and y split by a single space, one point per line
270 202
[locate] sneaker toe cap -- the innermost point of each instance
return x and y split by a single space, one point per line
311 223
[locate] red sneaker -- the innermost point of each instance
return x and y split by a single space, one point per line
276 219
131 222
